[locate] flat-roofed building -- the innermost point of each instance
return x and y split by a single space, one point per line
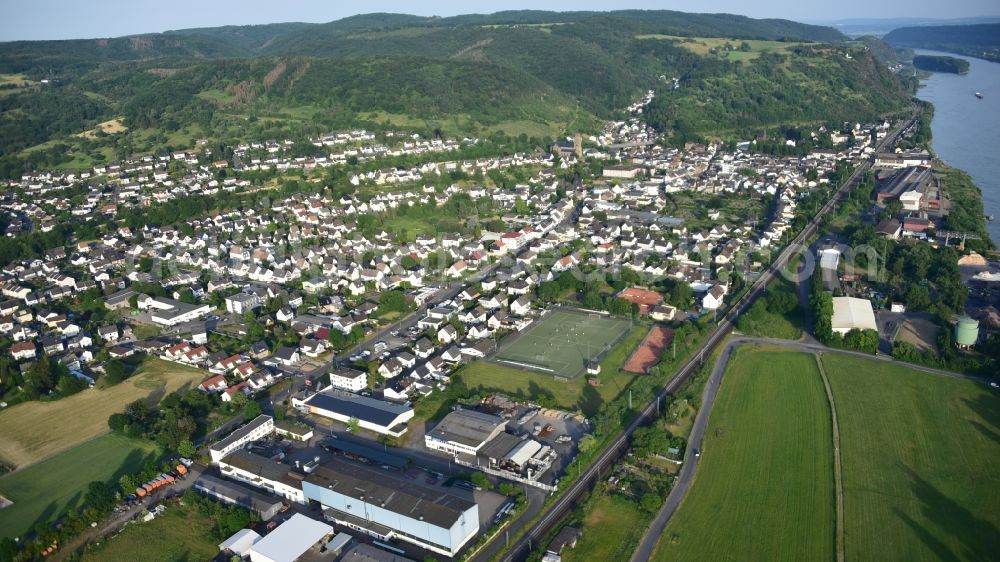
852 314
170 312
264 473
257 429
291 540
379 504
348 379
265 507
464 431
372 414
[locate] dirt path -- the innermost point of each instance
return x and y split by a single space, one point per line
838 475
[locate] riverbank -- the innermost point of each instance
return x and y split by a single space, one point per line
964 133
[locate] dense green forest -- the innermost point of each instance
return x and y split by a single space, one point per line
540 74
941 64
807 84
981 40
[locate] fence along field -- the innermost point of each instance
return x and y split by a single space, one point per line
563 342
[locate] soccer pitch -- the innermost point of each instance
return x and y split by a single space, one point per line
562 343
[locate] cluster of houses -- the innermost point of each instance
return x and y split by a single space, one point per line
314 247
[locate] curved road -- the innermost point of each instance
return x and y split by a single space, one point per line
686 476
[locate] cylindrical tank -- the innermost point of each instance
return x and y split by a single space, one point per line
966 332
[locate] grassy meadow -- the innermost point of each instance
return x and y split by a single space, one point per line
764 486
48 488
920 456
32 431
180 533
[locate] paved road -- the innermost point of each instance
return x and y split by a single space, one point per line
522 548
686 475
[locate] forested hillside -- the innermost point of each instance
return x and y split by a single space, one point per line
805 84
982 40
540 74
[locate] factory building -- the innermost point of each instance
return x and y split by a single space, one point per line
387 507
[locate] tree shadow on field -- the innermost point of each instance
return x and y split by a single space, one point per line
157 394
131 464
979 538
590 401
987 407
940 550
540 395
45 517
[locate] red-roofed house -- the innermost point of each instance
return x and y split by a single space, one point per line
228 394
645 298
23 350
215 384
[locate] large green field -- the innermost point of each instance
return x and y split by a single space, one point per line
181 533
921 458
47 488
562 343
919 454
764 486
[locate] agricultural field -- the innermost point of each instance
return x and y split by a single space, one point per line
576 394
180 533
48 488
730 47
920 454
764 486
562 343
32 431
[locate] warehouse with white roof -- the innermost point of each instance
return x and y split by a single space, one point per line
852 314
290 540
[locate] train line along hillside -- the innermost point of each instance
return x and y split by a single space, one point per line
919 455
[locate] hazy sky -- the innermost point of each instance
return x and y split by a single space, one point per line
66 19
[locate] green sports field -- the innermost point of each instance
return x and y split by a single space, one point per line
563 342
45 489
921 458
764 486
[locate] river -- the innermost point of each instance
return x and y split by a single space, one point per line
966 130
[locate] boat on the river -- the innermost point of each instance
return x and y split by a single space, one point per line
979 95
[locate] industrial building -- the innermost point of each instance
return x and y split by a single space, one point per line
464 431
852 314
258 428
264 473
381 505
376 415
232 493
290 540
170 312
240 543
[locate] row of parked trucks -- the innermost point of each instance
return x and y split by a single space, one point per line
164 479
